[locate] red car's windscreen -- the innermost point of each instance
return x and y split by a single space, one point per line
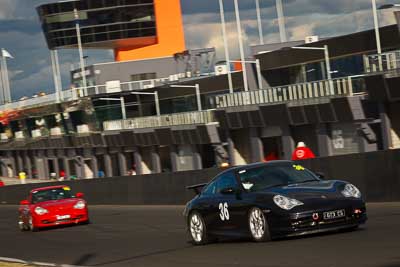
51 194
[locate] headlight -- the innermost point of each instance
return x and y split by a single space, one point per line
351 191
80 205
286 203
40 211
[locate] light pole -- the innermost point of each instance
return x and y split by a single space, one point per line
281 21
222 14
78 34
377 34
259 22
197 88
56 74
4 74
239 29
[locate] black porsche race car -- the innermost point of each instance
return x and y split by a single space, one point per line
271 200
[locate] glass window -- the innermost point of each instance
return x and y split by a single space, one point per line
226 180
52 194
268 176
210 189
143 76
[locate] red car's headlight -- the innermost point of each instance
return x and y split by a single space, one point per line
80 205
40 211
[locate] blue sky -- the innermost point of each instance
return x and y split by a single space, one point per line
30 71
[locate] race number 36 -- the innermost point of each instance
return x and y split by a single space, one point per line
223 211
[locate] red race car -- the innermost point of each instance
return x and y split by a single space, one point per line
1 183
51 206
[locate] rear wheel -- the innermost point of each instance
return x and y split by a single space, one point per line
258 226
197 229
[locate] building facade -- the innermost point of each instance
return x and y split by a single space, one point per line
122 125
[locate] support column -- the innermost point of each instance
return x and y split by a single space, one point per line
79 167
256 145
155 161
108 165
12 172
324 140
39 161
197 160
28 164
174 158
95 167
20 161
56 167
386 127
122 164
137 157
288 144
66 168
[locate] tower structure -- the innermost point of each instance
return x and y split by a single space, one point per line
134 29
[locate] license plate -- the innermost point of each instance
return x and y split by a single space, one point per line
63 217
329 215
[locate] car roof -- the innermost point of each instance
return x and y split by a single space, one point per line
48 188
259 164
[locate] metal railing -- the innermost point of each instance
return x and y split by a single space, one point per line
326 88
187 118
76 93
382 62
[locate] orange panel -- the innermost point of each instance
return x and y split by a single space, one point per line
170 35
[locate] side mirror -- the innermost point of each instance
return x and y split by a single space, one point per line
320 175
24 202
79 195
228 191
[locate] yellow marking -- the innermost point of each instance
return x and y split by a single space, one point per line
67 189
298 167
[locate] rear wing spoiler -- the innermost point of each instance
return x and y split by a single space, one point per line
197 188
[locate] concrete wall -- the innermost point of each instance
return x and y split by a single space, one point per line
163 67
377 174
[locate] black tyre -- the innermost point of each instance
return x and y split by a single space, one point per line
197 229
31 226
22 226
258 226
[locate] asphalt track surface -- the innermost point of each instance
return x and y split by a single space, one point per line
155 236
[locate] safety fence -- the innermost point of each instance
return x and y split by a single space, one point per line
187 118
326 88
382 62
76 93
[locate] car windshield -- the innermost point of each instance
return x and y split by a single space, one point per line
51 194
268 176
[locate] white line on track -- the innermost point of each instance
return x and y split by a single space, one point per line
12 260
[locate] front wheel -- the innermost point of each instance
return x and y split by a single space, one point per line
197 229
258 226
32 226
22 225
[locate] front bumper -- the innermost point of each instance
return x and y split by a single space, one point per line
312 221
54 220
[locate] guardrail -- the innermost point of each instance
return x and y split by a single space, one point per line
382 62
187 118
326 88
76 93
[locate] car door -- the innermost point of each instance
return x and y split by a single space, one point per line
230 204
207 205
